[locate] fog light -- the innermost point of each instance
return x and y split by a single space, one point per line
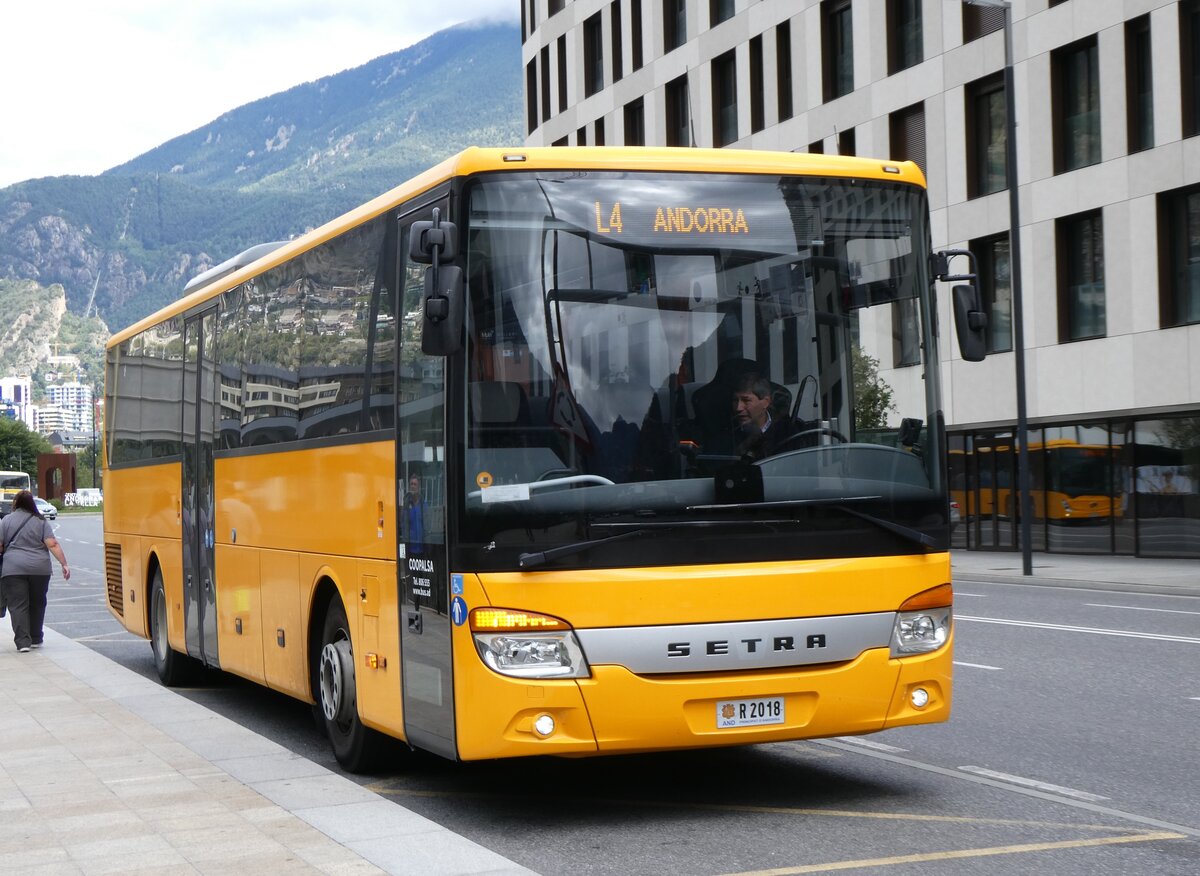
543 725
919 698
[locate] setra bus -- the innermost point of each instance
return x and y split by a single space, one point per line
464 466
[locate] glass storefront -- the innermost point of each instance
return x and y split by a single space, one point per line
1108 487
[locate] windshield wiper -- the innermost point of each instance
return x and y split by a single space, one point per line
538 558
905 532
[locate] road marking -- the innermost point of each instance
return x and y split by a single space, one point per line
1107 811
1128 634
977 665
112 637
867 743
1139 608
964 853
958 593
1033 783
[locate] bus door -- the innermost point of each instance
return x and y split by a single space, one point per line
996 486
428 609
199 592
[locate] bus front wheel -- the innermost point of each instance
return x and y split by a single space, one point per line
356 746
174 669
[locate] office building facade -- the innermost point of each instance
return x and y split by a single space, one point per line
1107 96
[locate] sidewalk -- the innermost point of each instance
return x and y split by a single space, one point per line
103 771
1100 571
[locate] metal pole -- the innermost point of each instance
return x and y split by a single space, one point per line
1014 272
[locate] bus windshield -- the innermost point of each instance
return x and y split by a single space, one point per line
691 356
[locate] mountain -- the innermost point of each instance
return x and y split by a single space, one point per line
124 243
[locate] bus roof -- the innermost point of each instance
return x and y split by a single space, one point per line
479 160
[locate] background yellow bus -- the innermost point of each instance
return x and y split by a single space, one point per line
11 483
1071 481
461 468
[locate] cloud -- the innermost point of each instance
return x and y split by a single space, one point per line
91 85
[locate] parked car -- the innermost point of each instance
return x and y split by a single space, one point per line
47 510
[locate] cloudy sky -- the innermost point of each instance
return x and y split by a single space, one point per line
86 85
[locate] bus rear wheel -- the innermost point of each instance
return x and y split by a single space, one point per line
174 669
357 747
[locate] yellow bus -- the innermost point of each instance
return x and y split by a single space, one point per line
11 483
462 467
1072 482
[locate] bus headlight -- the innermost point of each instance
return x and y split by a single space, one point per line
923 622
525 644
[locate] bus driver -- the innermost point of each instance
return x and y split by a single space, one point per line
759 434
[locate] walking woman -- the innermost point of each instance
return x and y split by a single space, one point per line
27 541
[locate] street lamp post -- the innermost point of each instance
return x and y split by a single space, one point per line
1014 259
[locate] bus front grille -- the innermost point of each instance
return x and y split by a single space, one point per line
112 569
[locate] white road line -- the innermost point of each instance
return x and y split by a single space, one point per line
977 665
958 593
1085 805
1129 634
1139 608
1033 783
866 743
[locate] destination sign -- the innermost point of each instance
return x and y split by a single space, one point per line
677 219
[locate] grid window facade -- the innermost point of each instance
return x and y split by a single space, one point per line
724 96
562 74
1139 84
905 40
979 21
987 137
674 24
614 23
907 130
593 56
1189 65
678 116
757 98
837 48
783 69
995 285
635 123
1081 277
544 65
1076 99
531 94
1179 256
635 34
718 11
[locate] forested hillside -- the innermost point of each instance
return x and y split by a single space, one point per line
124 243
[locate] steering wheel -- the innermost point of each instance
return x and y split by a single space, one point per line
816 430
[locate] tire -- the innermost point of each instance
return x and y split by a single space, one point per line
357 747
174 669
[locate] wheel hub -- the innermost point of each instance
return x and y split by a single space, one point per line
337 681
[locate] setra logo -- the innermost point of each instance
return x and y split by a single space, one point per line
722 647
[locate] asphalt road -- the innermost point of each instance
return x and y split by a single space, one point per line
1072 750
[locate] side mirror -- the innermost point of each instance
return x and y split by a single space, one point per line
970 323
427 239
434 243
442 326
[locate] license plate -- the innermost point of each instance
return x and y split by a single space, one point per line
750 713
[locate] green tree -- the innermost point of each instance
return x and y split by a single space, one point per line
19 448
872 396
